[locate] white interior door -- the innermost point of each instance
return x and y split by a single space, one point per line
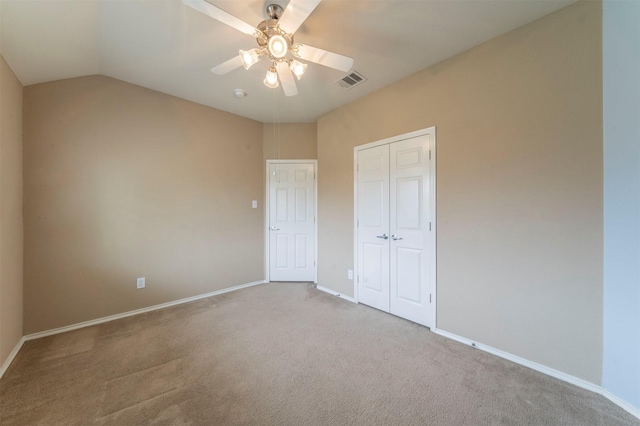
292 222
395 244
408 217
373 227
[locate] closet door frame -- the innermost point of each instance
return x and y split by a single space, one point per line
430 132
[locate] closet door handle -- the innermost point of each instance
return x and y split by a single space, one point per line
275 228
394 237
383 236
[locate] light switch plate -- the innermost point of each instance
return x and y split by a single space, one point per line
254 204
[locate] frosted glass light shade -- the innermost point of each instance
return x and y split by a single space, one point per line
249 57
271 80
297 68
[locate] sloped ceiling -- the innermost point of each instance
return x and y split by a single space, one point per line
167 46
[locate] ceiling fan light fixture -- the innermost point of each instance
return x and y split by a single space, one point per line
277 46
274 36
271 80
297 68
249 57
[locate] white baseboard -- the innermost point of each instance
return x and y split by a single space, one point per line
518 360
335 293
11 356
544 369
621 403
136 312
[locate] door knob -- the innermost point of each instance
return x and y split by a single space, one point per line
383 236
394 237
275 228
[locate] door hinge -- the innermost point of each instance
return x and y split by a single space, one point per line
358 223
429 226
429 154
358 277
314 219
429 297
314 264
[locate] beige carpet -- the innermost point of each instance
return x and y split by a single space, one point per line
281 354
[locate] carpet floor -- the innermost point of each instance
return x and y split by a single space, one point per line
280 354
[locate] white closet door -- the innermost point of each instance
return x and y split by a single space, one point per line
291 217
393 228
409 210
373 227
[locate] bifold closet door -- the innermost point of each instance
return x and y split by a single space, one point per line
392 228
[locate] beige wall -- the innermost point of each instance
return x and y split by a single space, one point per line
519 189
11 237
123 182
289 141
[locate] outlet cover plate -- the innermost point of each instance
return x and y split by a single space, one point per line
140 283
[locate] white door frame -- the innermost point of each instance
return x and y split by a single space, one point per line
267 277
431 131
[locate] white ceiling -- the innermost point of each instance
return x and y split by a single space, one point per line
166 46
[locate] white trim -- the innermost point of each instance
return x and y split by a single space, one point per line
398 138
136 312
11 356
335 293
545 370
433 213
354 267
518 360
267 276
631 409
431 132
356 275
635 411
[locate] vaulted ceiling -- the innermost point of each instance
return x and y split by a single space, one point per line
166 46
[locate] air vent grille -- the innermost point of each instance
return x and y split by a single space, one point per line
351 80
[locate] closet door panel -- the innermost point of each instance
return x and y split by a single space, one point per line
409 171
373 227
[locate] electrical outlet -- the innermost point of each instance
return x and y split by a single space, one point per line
140 283
350 274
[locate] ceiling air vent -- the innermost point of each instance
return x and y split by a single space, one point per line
351 80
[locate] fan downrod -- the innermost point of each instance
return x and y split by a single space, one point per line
274 11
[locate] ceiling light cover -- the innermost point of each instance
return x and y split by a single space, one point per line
278 46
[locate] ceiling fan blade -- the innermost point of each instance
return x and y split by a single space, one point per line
295 14
323 57
286 79
222 16
227 66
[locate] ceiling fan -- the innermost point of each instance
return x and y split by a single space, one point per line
275 40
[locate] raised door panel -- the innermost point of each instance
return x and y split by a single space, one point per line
373 227
409 282
292 222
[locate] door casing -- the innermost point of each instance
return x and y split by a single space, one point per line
267 212
431 133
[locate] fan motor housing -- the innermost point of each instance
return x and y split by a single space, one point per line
270 28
